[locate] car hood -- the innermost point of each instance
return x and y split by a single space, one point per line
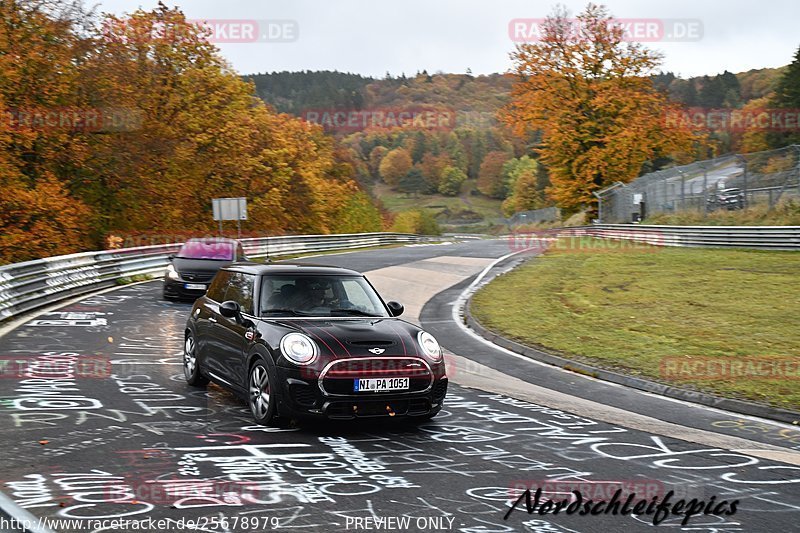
355 337
198 265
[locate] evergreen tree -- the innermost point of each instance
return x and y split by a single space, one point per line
420 147
787 98
712 93
412 183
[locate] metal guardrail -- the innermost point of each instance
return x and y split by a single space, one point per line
32 284
758 237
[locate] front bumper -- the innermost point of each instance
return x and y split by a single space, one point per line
177 289
301 397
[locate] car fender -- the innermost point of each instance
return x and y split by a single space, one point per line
262 352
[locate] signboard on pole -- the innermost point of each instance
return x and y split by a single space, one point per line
229 208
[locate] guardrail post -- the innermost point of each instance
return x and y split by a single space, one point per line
683 192
599 209
744 185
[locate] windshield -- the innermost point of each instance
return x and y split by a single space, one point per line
212 249
308 295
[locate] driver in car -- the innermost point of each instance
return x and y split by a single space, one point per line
309 294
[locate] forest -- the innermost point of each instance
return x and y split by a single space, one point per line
120 130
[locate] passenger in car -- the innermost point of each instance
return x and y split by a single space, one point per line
283 300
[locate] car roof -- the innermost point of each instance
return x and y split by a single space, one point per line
259 269
212 239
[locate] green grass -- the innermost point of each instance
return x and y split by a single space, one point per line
449 209
785 213
628 309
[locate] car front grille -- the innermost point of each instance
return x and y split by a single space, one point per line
197 276
338 377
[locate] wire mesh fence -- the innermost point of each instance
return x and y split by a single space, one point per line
729 182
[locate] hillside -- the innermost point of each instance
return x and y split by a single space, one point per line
473 143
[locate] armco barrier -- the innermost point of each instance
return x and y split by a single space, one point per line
26 286
759 237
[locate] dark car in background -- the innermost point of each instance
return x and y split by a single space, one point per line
311 341
191 270
730 199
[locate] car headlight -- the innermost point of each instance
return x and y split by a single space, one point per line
430 346
172 273
299 348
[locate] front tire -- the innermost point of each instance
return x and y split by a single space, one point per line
191 365
261 396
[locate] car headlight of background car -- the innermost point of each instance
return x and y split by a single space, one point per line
172 273
299 348
430 346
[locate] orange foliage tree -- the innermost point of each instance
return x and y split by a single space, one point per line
38 148
395 165
490 175
176 128
588 92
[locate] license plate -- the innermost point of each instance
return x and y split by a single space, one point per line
195 286
380 384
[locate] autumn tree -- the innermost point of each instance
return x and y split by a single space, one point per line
375 157
754 138
589 93
357 215
40 152
452 179
173 128
418 221
490 176
395 165
431 168
525 183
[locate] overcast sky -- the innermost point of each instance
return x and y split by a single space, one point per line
372 37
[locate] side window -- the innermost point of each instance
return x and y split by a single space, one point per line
216 291
240 290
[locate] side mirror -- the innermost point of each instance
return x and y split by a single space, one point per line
395 308
229 309
171 257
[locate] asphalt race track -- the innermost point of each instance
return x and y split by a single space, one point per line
124 437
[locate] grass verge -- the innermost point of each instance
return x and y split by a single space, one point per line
785 213
640 310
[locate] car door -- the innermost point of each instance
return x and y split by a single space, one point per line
207 315
232 332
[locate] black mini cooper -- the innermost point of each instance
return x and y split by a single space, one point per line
302 341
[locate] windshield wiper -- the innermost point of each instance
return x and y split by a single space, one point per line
281 311
354 312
